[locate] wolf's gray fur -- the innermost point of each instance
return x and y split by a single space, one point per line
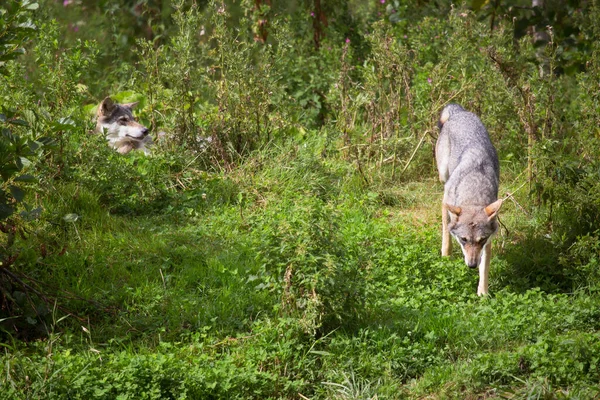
468 166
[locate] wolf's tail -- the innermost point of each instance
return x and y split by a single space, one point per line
447 112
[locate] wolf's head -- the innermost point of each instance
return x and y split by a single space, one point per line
120 126
473 227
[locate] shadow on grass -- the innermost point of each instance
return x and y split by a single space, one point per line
532 262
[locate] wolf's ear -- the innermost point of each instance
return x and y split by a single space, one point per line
453 209
107 106
130 105
492 209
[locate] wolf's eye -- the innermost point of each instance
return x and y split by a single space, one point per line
123 120
463 239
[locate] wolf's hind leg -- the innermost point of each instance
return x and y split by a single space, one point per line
484 269
446 240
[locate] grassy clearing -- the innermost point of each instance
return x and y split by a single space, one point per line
203 305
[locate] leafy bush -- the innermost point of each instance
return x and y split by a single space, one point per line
308 256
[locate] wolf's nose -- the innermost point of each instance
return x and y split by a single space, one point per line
145 131
472 265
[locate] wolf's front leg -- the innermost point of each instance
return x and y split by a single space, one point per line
484 269
446 240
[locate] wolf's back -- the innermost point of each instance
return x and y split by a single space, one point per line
471 159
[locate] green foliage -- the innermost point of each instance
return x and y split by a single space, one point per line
239 367
311 255
282 239
16 26
16 153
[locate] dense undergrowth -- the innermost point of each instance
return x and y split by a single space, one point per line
282 240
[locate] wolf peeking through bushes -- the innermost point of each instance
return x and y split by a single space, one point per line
123 132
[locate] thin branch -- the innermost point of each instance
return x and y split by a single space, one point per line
415 151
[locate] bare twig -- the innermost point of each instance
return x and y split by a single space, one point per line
163 279
415 151
35 287
510 196
360 170
503 225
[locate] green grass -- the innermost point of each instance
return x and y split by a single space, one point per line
197 305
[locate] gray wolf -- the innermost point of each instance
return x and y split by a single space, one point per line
122 131
469 169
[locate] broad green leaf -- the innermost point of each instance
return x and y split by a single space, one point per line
5 211
64 124
66 121
90 109
23 162
26 26
46 141
29 116
17 193
71 217
19 122
26 178
320 353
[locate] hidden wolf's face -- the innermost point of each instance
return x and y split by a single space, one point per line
122 131
473 228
